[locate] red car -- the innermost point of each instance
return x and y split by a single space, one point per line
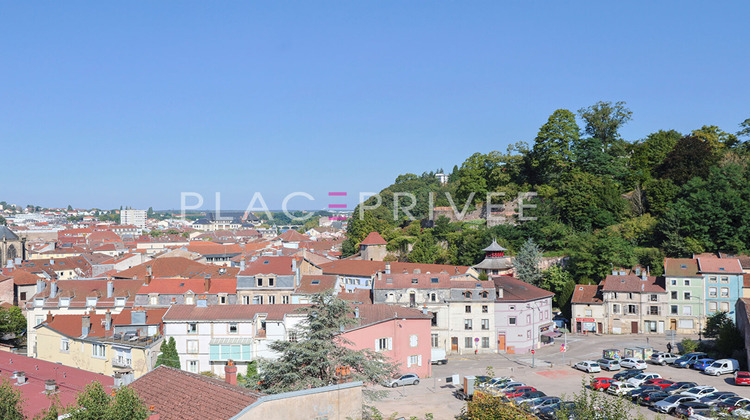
742 378
663 383
601 384
518 391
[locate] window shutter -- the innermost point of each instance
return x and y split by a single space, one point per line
419 360
376 344
408 361
390 343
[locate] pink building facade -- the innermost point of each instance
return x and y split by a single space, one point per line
523 316
402 334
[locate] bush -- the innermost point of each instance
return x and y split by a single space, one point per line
489 407
687 345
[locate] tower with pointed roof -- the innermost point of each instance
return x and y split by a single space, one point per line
11 246
495 262
372 248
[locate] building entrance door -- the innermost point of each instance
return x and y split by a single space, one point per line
454 343
634 327
501 342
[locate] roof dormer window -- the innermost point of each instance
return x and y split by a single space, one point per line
64 302
91 301
39 302
120 301
467 294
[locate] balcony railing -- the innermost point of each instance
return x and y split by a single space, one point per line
123 362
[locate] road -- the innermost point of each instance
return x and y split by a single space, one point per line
549 374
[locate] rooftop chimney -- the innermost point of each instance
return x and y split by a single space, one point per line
53 289
499 292
40 285
51 262
149 275
138 316
85 325
50 386
356 311
20 377
242 264
417 271
49 317
153 415
107 320
230 373
110 288
387 268
207 282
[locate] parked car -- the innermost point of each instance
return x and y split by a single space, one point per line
643 389
481 381
437 357
741 413
651 398
702 364
609 364
687 360
668 405
620 388
518 391
528 396
588 366
407 379
732 403
627 374
742 378
638 380
601 384
691 408
496 382
722 366
716 397
508 385
536 405
550 413
632 363
663 358
678 387
661 382
698 391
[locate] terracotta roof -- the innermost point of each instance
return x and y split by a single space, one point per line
212 248
269 265
517 290
70 381
177 267
373 314
229 312
679 267
361 296
310 284
416 281
181 286
719 265
71 325
320 245
22 277
177 394
292 235
79 290
364 268
633 283
153 316
374 238
587 293
746 280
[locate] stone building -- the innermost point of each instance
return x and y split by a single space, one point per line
11 246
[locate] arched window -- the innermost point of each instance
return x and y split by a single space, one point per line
11 253
467 294
484 295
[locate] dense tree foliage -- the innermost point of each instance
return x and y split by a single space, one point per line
94 403
168 356
11 402
602 200
12 321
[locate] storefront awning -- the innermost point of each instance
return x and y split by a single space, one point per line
552 334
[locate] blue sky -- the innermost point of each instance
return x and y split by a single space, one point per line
130 103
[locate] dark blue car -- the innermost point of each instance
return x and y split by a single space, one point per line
702 364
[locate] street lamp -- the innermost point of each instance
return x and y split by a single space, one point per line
700 316
533 327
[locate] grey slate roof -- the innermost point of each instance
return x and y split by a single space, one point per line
494 246
7 234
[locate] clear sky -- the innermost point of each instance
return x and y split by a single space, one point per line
130 103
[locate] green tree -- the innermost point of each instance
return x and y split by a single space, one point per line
551 154
590 405
729 340
688 345
70 208
312 361
691 157
603 152
3 222
93 403
651 152
527 262
660 194
556 279
489 407
425 250
168 356
715 137
714 323
12 321
587 201
593 255
11 401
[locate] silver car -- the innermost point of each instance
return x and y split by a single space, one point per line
407 379
663 358
609 364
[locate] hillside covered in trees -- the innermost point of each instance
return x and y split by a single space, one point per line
602 200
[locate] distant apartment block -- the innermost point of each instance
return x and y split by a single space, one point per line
136 218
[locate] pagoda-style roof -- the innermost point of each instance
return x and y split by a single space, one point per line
494 247
501 263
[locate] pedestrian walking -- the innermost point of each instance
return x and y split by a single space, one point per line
669 347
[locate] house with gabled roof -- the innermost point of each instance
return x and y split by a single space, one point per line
523 315
723 280
373 247
686 294
587 308
635 303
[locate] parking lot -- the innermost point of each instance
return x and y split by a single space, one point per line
549 374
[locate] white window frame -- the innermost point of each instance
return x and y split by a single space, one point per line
64 345
413 340
192 366
98 351
191 346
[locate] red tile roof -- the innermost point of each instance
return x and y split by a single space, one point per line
373 314
517 290
70 381
360 296
587 293
374 238
310 284
181 286
170 267
71 325
177 395
79 290
633 283
22 277
416 281
719 265
153 316
229 312
292 235
212 248
364 268
269 265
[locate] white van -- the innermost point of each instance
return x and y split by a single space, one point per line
722 366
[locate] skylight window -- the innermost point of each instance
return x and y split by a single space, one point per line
721 268
683 266
434 280
315 282
414 281
265 262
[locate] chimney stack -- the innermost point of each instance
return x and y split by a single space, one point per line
230 373
53 289
356 311
149 275
110 288
207 282
49 317
50 386
40 285
20 377
107 320
388 267
153 415
85 325
242 265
